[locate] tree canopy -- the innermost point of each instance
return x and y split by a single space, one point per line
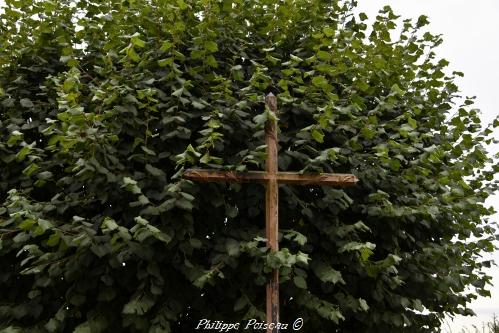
104 104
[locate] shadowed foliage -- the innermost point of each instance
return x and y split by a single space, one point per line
104 104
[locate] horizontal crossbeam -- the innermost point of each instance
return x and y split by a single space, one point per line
336 179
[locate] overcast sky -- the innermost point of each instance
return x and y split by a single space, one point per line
471 43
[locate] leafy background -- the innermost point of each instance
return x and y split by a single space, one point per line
104 105
465 34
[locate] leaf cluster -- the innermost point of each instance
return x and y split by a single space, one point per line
104 104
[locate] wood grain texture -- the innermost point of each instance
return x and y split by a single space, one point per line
272 210
293 178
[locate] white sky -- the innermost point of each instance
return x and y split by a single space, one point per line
471 43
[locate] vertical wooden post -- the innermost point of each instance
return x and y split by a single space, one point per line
271 203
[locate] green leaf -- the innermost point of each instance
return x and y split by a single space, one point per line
261 119
83 328
139 305
154 171
178 92
396 90
148 151
295 58
131 185
27 224
136 41
65 59
68 84
241 303
45 175
319 81
109 224
302 258
418 305
130 52
53 240
165 62
23 153
14 138
166 46
195 243
231 211
184 204
328 31
326 273
296 236
363 86
232 247
317 135
45 224
324 56
413 123
379 62
211 46
26 103
363 305
422 21
300 282
21 238
356 246
198 105
143 200
30 169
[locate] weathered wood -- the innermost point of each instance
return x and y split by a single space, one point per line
292 178
331 179
271 177
271 204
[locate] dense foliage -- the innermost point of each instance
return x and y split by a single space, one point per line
104 104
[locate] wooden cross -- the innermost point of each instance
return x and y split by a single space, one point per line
271 177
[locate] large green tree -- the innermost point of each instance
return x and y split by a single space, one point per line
103 104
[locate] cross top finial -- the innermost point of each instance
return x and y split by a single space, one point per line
271 102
